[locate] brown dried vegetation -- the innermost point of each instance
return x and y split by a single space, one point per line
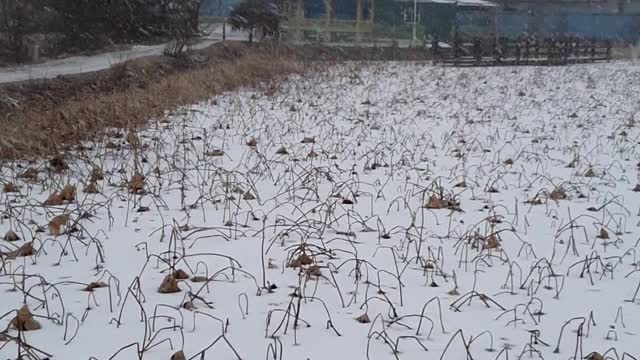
68 193
23 251
302 260
54 199
136 183
178 356
57 225
24 320
11 236
9 188
169 285
436 202
94 285
129 94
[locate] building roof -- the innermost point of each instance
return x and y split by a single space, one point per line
472 3
560 1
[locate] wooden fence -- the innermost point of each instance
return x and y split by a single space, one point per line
550 51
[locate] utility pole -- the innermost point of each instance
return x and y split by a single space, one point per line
358 21
415 19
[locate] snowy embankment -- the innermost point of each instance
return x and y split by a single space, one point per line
390 211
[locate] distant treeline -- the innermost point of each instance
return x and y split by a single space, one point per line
79 25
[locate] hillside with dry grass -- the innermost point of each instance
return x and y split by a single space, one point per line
47 115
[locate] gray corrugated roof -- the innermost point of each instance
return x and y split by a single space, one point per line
476 3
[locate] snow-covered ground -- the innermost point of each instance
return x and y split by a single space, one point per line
387 211
84 64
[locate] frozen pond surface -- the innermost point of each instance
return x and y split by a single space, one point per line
489 207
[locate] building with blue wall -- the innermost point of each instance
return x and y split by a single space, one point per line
217 8
338 9
617 20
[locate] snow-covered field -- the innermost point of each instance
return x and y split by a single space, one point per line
386 211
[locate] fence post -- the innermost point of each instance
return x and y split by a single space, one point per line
477 50
435 49
394 46
456 46
497 52
34 52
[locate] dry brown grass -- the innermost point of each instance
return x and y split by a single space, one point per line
134 92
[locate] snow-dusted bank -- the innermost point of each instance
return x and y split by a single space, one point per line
386 211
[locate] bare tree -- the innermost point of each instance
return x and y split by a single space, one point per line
13 27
